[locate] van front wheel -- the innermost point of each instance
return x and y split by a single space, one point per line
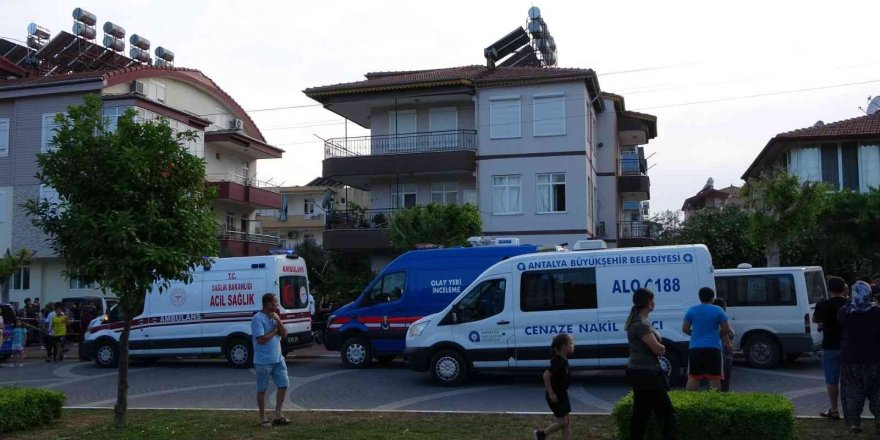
356 352
240 353
449 368
762 351
107 354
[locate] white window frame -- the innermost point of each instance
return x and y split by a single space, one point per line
869 176
308 206
470 197
505 187
398 199
2 206
47 131
18 278
536 118
5 132
497 103
444 190
75 284
156 91
550 185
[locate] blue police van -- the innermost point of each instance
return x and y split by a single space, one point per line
416 284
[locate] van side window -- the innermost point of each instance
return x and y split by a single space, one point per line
757 290
565 289
294 292
483 301
815 286
389 288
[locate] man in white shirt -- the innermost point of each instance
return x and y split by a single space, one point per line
50 335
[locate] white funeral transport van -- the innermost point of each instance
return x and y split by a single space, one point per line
211 315
508 316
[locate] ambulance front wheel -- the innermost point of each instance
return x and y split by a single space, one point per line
449 368
240 353
356 352
107 354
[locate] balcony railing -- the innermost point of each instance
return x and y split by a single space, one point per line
360 219
251 238
242 180
632 165
638 229
427 142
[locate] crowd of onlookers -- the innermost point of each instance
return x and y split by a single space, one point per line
55 324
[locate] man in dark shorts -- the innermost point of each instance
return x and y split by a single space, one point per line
707 326
826 316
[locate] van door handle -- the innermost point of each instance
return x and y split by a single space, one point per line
503 322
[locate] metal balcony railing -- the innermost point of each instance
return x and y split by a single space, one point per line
251 238
427 142
638 229
360 219
632 165
242 180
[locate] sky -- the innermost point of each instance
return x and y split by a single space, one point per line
666 58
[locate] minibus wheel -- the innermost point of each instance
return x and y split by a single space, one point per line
448 368
356 352
762 351
239 353
107 354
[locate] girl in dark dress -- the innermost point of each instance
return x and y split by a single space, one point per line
556 381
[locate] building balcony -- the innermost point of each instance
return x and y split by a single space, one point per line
633 182
245 191
358 230
637 233
293 221
243 244
352 161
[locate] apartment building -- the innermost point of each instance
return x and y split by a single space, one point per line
542 152
304 211
67 69
843 154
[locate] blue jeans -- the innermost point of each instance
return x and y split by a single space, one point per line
831 366
278 372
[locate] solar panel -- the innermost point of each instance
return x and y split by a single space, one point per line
68 53
524 57
13 52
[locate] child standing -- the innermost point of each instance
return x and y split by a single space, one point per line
19 336
556 381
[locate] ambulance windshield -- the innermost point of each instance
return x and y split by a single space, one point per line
294 292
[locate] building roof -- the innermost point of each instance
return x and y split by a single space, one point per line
862 127
111 77
469 76
699 200
620 107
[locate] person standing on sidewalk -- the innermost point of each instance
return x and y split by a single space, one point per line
556 381
267 329
706 324
19 339
49 336
826 316
860 357
59 329
643 371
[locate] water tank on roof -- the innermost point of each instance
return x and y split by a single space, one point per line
114 30
139 42
83 16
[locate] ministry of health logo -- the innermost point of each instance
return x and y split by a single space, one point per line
474 337
178 297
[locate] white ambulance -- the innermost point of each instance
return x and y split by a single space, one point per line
508 316
212 314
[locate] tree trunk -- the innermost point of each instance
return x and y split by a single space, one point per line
771 251
122 387
4 290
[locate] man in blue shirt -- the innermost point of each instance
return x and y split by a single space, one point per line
707 326
267 329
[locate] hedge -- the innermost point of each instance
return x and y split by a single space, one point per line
22 408
715 415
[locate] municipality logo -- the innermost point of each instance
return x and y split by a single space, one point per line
474 337
521 266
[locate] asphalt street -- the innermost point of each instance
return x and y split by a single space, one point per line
319 381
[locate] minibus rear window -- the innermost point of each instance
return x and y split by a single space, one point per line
815 286
294 292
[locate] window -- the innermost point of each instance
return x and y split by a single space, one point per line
565 289
294 292
49 129
2 207
389 288
548 115
757 290
507 195
469 197
444 193
267 213
48 194
504 118
309 238
75 284
21 279
403 124
156 91
403 196
308 206
830 165
551 192
815 286
230 221
483 301
869 166
806 163
4 137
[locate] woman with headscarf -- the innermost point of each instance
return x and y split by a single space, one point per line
860 357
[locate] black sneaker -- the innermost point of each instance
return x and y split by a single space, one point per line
538 435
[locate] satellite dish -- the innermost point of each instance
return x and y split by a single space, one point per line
534 13
874 106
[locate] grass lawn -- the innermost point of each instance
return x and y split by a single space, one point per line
223 425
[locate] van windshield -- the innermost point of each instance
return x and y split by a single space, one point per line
294 292
815 286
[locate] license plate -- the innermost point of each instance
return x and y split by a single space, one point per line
292 339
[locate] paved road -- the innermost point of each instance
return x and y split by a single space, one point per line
318 381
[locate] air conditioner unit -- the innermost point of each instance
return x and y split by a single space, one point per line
292 234
236 124
138 87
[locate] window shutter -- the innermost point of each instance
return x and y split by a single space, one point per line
830 165
549 115
4 137
850 154
504 118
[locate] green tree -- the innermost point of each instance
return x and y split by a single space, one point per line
133 210
9 264
344 274
848 234
725 232
782 208
670 224
443 225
